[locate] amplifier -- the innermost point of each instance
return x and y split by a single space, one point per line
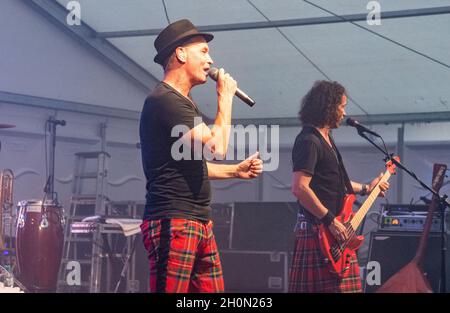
255 226
222 215
403 217
393 250
255 271
408 223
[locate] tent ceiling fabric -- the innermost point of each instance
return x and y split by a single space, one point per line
342 7
381 77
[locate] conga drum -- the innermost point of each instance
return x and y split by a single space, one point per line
39 244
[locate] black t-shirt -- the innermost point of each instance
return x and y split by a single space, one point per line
175 188
313 155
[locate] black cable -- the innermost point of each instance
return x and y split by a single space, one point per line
306 57
44 197
384 144
420 198
165 10
379 35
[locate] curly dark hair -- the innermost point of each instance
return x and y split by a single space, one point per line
319 105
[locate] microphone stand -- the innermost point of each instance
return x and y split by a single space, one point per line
50 185
443 203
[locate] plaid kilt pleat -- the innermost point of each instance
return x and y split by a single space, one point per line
183 256
309 272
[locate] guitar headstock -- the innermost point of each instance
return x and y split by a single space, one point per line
438 175
390 166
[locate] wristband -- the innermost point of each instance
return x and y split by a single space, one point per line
328 218
364 190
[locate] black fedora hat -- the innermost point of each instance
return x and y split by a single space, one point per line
173 36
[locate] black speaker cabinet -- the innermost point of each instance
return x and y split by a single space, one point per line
393 250
222 216
254 271
264 226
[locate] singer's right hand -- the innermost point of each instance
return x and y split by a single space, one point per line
226 86
338 230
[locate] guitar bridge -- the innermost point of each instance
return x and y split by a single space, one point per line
341 272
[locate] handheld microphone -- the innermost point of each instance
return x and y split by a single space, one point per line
214 73
360 128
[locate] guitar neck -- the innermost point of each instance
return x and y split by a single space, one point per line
359 216
438 179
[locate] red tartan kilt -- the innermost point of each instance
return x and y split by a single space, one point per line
183 256
309 272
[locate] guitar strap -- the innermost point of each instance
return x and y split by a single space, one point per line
344 175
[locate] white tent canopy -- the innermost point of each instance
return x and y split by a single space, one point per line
398 67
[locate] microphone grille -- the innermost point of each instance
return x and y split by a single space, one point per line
351 122
213 73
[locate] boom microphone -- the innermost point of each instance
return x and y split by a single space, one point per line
214 73
360 128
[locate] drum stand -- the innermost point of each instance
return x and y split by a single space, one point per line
101 250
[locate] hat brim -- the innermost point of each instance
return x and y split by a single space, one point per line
164 53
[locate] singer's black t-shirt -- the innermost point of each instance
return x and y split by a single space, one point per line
313 155
175 189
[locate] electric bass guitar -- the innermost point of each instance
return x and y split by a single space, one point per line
338 253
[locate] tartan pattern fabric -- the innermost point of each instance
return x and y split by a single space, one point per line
183 256
309 272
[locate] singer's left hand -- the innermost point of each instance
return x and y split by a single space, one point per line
251 167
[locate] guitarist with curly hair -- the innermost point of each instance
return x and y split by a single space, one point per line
320 183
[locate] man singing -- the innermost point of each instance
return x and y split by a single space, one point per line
177 229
